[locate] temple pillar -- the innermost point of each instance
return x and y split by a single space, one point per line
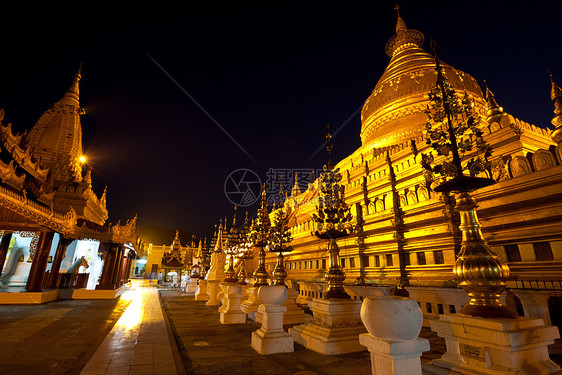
39 265
59 256
271 338
4 245
127 271
116 279
106 279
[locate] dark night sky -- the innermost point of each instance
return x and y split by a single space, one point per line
273 75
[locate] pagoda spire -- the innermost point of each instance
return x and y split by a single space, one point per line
329 148
234 218
556 97
200 249
219 243
73 92
296 189
404 38
400 24
494 110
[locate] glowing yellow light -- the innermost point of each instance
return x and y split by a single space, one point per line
82 159
132 317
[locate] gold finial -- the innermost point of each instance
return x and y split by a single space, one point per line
494 110
73 91
556 97
400 24
404 38
555 91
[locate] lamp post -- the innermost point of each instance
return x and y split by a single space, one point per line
332 219
481 273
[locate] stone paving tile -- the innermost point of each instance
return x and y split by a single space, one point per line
55 338
62 336
227 348
207 347
139 341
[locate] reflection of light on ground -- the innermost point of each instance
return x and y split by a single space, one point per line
132 317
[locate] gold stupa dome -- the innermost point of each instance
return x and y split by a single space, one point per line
394 112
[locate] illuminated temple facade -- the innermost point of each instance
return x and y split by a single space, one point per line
415 238
169 258
53 225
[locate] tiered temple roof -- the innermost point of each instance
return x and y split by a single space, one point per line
43 183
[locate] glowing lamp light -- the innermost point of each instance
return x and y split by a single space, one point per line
82 159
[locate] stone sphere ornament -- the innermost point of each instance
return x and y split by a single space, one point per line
391 317
272 295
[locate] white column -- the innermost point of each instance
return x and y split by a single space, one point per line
230 312
394 324
201 294
212 290
535 303
390 357
271 338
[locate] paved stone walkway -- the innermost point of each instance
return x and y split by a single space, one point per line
210 348
132 335
55 338
139 343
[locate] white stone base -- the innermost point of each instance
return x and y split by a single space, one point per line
494 346
251 305
201 293
28 298
272 342
95 293
271 338
212 290
230 312
394 357
191 287
293 315
335 329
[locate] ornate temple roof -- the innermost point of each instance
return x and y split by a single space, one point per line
173 258
56 138
29 198
394 112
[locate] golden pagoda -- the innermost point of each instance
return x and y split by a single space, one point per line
395 110
408 234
